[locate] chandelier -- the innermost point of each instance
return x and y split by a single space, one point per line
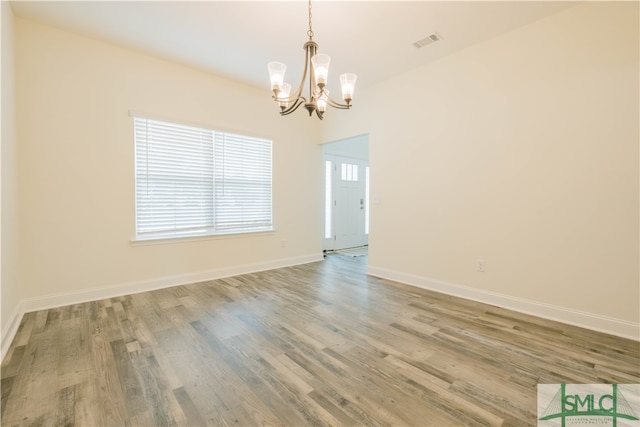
317 67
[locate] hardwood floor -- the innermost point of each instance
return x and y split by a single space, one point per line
317 344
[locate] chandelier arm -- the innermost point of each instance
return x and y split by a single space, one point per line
311 48
293 107
290 99
337 105
307 59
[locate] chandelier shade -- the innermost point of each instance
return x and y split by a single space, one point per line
320 64
348 84
316 73
276 73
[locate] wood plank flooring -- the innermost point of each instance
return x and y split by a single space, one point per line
320 344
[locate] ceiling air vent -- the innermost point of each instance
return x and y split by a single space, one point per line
427 40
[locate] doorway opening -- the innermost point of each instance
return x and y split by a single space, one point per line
346 196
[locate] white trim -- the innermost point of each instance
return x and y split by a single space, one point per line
45 302
596 322
195 123
11 328
196 238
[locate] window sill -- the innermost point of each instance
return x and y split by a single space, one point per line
187 239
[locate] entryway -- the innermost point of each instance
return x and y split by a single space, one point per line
346 194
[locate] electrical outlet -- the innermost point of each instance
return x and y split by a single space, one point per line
480 265
283 243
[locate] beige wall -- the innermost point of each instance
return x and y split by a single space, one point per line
522 151
10 290
77 164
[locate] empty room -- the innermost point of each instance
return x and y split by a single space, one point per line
327 213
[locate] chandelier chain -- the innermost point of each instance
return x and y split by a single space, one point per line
310 32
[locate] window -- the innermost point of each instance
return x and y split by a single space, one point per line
366 208
328 198
349 172
192 181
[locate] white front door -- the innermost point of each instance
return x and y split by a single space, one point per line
346 204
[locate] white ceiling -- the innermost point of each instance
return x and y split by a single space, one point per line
236 39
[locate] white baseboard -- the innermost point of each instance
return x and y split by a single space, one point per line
45 302
608 325
11 328
591 321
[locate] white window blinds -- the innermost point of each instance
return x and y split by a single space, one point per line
195 181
